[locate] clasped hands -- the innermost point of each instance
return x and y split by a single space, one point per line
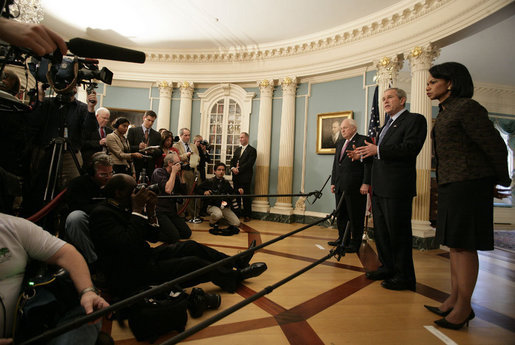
361 152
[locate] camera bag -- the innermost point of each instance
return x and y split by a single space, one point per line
155 316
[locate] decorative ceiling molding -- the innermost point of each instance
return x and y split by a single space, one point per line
400 30
377 25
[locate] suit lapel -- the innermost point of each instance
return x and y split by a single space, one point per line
394 126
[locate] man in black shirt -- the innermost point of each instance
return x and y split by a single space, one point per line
79 196
219 208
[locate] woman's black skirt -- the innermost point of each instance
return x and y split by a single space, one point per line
465 214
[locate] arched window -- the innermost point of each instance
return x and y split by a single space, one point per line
225 113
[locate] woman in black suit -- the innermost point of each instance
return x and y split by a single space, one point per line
471 160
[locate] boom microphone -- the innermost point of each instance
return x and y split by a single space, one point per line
96 50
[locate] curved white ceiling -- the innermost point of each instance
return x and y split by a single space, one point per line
203 24
272 27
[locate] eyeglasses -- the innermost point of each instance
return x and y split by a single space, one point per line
106 174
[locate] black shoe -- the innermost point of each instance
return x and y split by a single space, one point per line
398 284
199 301
246 219
446 324
244 260
437 310
380 274
335 243
253 270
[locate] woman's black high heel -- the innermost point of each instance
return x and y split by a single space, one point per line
437 310
446 324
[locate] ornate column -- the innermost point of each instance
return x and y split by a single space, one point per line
165 100
420 59
286 147
266 88
387 72
185 106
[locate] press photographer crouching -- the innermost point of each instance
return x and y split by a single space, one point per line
120 230
80 200
219 208
169 179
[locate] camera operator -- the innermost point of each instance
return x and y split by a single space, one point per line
203 151
56 119
219 208
168 178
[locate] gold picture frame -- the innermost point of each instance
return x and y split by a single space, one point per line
326 143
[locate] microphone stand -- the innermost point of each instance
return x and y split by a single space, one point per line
195 219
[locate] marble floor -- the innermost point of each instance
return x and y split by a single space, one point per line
334 303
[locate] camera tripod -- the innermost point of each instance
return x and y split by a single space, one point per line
58 145
195 219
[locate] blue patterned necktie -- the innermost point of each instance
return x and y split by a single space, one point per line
385 129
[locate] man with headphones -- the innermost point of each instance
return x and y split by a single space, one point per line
79 196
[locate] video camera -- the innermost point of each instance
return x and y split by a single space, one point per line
71 71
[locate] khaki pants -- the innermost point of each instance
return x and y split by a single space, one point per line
216 214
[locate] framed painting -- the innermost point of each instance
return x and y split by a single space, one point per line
135 116
328 131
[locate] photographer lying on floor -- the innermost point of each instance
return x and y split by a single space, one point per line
120 231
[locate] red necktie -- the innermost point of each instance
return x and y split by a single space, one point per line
102 133
343 149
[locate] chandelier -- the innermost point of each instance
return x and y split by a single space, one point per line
27 11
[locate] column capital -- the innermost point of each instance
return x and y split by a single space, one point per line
422 57
388 68
289 85
187 88
163 84
266 87
165 89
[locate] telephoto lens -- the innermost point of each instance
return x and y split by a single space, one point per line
199 301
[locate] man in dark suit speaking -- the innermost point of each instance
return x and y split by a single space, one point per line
242 167
142 137
394 179
350 177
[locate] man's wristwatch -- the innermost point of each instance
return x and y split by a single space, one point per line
88 289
